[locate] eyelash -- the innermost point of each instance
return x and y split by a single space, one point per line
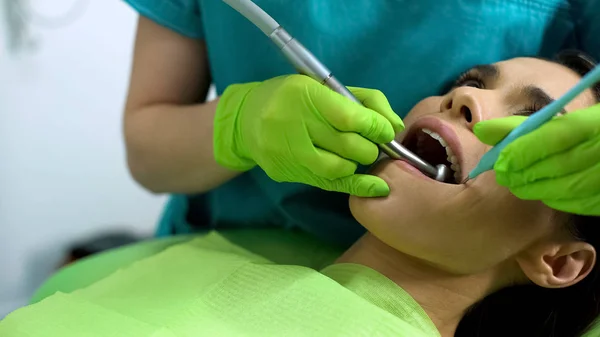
467 79
528 111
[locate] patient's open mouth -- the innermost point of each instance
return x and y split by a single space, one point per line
432 148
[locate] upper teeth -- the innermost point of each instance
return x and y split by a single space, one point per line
450 155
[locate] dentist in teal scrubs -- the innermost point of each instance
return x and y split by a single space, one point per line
276 149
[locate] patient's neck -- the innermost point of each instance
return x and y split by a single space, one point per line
443 296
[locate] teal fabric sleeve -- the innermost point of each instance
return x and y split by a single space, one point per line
588 27
182 16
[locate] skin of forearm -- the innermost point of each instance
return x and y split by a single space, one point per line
170 148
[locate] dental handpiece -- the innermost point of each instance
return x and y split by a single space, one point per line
307 64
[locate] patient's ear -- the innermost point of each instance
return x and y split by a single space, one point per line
557 264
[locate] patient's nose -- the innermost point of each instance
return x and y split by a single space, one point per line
464 104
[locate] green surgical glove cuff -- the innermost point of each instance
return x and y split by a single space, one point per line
228 148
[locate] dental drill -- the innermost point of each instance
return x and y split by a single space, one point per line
307 64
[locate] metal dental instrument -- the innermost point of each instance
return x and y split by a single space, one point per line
534 121
307 64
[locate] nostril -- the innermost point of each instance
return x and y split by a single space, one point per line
465 111
449 105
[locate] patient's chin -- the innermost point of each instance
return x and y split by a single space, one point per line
370 212
359 207
354 203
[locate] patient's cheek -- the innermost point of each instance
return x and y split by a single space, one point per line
426 106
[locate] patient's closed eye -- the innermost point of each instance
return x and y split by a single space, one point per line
537 99
480 77
528 110
470 79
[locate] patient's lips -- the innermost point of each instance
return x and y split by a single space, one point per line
407 166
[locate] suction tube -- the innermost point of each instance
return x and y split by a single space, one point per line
255 14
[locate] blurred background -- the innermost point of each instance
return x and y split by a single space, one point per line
64 68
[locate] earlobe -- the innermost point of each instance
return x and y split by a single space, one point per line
558 265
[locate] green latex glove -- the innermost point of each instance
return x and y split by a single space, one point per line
559 163
298 130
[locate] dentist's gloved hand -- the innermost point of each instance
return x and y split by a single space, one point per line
559 163
298 130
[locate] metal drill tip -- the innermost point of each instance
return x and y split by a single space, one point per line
465 180
443 173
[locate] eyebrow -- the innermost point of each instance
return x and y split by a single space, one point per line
488 72
538 97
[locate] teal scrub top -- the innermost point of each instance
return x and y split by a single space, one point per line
409 49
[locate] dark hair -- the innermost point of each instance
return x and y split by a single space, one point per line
534 311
